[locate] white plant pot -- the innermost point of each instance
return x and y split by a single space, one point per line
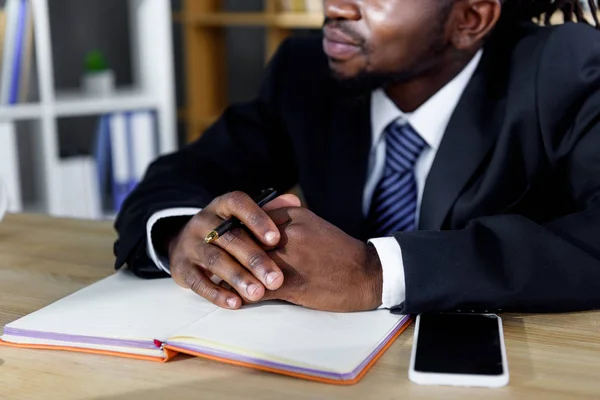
98 84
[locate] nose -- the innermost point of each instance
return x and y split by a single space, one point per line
341 10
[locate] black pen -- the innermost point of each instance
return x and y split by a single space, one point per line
263 198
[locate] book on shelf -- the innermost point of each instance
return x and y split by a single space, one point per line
126 144
80 196
95 186
17 37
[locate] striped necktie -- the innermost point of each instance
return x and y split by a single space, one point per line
394 203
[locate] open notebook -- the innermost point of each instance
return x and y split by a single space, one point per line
155 319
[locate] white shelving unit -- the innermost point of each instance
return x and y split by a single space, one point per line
151 39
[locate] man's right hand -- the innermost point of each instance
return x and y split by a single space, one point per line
237 257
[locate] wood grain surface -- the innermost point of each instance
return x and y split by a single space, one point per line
44 259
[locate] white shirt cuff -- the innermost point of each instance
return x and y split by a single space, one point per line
163 262
394 285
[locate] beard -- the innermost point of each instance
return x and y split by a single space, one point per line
360 86
366 82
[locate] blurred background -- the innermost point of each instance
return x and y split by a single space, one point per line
91 91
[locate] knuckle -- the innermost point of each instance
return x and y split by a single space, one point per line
236 200
255 219
177 273
232 238
187 276
212 258
197 222
200 287
196 285
237 279
256 260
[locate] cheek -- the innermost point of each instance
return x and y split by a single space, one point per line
387 53
398 52
398 34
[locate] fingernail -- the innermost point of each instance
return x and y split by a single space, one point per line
271 278
270 236
232 302
251 289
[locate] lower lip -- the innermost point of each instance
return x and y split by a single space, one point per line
339 51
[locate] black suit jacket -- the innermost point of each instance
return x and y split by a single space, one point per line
510 216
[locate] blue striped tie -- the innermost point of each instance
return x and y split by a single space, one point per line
394 203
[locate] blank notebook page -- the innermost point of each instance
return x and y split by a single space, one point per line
119 307
292 335
132 312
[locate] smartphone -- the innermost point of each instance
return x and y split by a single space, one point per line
459 350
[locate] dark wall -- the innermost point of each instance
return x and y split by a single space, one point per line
79 26
245 53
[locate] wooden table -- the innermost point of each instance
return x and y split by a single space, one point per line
44 259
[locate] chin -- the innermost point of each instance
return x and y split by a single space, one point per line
344 70
363 83
341 76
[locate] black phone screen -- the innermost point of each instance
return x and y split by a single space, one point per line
459 344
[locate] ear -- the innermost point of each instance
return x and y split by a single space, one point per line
473 21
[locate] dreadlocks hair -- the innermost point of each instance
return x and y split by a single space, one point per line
543 10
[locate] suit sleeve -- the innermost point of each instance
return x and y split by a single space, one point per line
247 149
508 262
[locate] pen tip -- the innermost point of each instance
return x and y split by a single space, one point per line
211 237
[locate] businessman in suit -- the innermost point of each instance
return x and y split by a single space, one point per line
448 152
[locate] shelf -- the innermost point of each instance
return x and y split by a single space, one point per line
229 19
293 20
75 103
20 112
288 20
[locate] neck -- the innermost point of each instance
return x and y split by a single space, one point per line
412 94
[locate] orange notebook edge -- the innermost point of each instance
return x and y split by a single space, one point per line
172 351
296 374
169 353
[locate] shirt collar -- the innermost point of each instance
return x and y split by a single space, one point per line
430 119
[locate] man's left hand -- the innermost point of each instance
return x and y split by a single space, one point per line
324 268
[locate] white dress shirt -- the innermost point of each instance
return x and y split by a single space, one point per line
430 122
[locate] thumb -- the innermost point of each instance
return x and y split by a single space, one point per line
277 294
284 291
283 201
281 216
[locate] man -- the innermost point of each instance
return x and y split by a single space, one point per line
448 150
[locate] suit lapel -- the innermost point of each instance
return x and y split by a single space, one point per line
470 134
348 157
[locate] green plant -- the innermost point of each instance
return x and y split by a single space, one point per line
95 62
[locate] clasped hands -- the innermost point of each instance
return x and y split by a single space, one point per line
286 253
